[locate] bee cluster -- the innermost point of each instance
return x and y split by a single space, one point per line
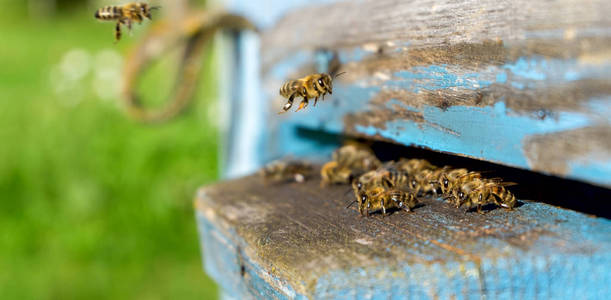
381 186
395 185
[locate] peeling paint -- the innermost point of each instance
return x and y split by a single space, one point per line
434 252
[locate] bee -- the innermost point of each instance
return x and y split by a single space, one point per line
482 192
413 166
348 162
333 173
286 170
425 181
448 178
379 198
384 178
311 86
125 14
393 178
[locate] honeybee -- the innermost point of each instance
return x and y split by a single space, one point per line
356 155
393 178
348 162
333 173
413 166
379 198
311 86
425 181
482 192
448 178
286 170
125 14
384 178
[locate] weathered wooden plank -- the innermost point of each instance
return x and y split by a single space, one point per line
502 81
299 241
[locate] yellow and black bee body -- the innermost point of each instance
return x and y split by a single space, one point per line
381 199
348 162
125 15
426 181
309 87
413 166
447 180
334 173
478 193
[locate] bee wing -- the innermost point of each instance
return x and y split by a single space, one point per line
469 173
497 184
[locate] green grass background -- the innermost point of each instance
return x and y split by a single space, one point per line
92 204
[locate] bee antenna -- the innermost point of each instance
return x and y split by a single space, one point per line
353 201
338 74
155 7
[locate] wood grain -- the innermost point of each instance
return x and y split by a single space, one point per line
482 79
299 240
426 23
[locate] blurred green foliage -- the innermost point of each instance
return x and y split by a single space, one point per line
93 205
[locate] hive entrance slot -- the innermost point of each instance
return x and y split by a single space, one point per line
533 186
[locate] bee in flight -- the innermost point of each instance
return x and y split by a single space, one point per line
311 86
125 14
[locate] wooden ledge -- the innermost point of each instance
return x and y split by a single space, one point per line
299 241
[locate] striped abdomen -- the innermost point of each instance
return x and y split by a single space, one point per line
112 12
289 88
507 199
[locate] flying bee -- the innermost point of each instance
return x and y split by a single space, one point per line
479 193
125 15
286 170
311 86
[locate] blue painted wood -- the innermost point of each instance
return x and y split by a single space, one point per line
258 243
484 79
248 141
493 89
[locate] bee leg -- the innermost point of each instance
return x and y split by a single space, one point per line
288 105
303 104
479 209
315 100
118 31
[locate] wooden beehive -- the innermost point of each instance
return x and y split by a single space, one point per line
523 84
